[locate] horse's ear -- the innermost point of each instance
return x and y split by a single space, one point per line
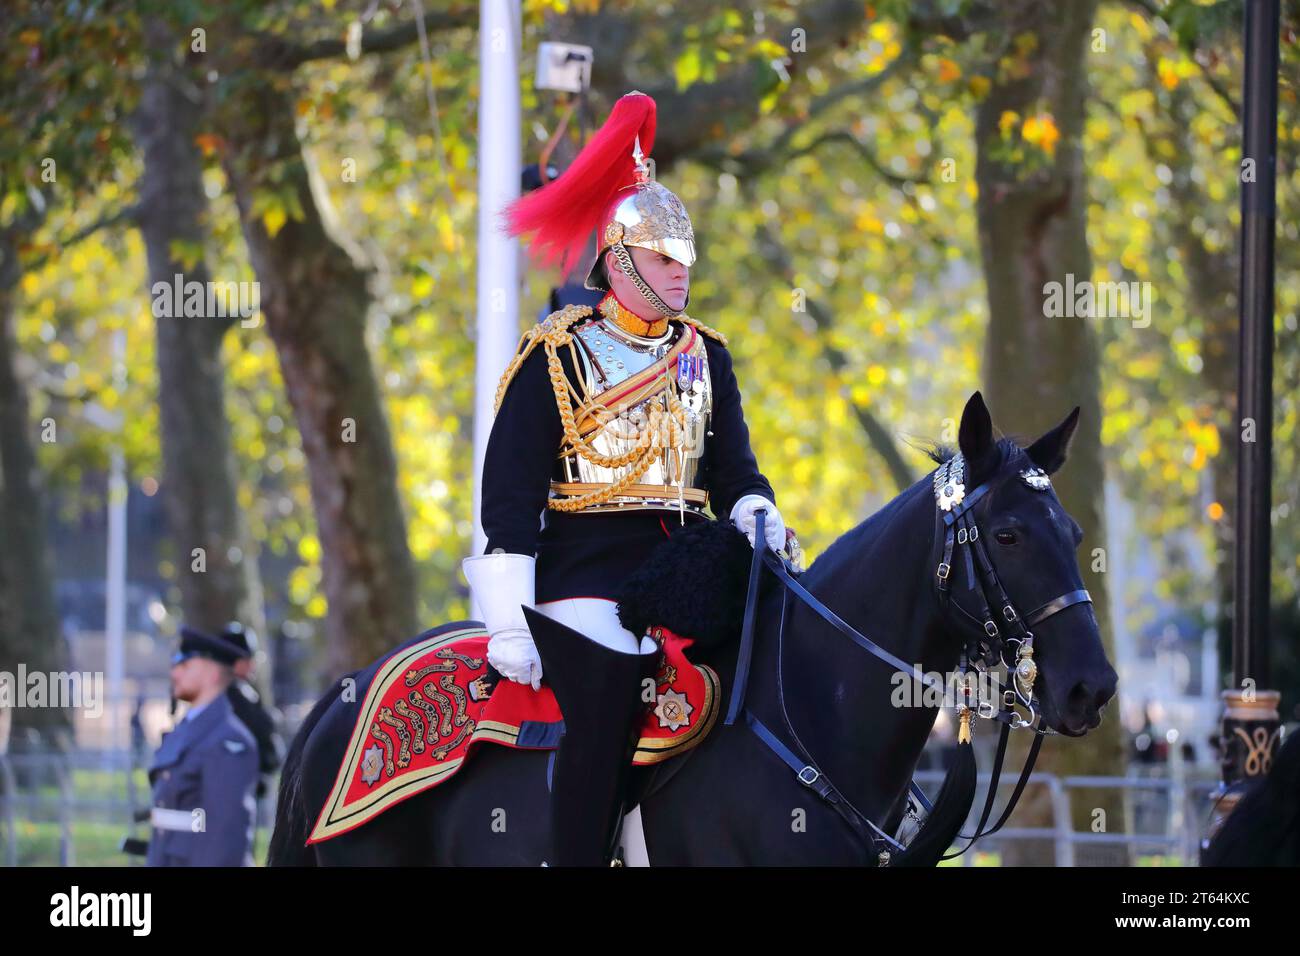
1049 452
975 437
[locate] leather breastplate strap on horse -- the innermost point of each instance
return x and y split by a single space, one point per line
957 524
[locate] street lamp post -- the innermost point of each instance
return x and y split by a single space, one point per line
1250 727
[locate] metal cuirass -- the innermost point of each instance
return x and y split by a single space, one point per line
610 360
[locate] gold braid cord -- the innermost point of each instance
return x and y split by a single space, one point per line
554 333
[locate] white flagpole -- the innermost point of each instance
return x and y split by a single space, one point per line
498 183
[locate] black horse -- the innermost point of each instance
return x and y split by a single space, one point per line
732 800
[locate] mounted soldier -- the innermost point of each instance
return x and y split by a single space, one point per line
615 427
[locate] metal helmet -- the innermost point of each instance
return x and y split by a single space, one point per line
608 188
647 215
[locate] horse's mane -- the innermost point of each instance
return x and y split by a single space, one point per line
849 544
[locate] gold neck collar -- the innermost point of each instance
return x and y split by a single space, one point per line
629 321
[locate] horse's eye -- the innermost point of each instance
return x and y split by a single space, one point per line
1005 537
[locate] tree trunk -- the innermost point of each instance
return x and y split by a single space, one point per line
315 300
216 564
29 623
1033 230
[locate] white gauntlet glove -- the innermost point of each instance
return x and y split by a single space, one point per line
501 585
742 516
514 654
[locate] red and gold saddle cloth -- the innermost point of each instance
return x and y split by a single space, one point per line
429 704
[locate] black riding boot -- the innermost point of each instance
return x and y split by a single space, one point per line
600 694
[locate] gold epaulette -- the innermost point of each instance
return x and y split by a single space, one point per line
555 328
701 327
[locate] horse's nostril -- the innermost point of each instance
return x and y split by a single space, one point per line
1088 698
1084 699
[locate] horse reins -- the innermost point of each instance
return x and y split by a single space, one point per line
986 649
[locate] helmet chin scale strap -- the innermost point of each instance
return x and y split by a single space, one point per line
628 268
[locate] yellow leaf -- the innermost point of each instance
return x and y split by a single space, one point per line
273 219
835 413
1041 131
207 143
309 548
687 68
446 232
867 222
1168 73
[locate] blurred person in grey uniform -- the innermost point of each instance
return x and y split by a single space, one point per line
205 772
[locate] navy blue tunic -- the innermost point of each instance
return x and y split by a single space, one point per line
208 764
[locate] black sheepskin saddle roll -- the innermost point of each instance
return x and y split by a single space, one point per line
693 584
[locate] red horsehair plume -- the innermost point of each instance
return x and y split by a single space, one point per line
565 211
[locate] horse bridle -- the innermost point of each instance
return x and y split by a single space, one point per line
956 521
988 646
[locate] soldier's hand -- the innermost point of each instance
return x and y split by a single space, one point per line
513 653
742 516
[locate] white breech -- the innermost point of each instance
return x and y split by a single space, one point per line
596 618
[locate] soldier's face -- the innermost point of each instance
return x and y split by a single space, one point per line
670 280
192 677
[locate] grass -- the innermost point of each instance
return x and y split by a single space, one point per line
96 833
93 844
